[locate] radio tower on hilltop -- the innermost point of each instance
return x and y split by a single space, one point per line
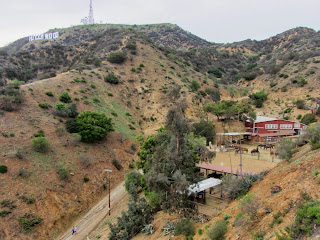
90 19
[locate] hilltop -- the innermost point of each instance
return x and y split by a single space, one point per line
164 65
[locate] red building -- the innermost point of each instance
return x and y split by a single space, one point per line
266 129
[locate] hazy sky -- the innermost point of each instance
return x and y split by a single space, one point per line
214 20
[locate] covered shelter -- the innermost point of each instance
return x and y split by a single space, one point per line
198 190
232 137
221 169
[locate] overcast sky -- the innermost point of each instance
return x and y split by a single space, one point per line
218 21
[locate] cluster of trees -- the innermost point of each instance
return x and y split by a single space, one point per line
230 110
258 98
91 126
168 160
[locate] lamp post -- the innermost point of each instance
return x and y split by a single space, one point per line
109 171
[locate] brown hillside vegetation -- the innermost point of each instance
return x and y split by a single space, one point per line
139 101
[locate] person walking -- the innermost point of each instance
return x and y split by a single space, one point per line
75 230
72 230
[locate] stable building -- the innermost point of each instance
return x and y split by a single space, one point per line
267 129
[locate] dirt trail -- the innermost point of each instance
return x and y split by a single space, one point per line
94 216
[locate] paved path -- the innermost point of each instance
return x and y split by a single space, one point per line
95 215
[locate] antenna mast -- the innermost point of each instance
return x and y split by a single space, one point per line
91 19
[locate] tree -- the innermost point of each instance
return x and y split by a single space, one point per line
286 149
169 161
93 126
205 129
217 108
258 98
312 134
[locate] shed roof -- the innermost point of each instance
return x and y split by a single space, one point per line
223 169
203 185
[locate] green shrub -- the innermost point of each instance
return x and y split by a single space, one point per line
64 97
117 57
8 203
111 78
154 199
72 111
249 76
44 105
3 168
50 94
258 98
4 213
300 104
40 133
93 126
132 182
28 221
40 144
194 86
184 227
72 125
63 171
30 200
308 118
200 231
286 149
218 231
131 45
258 235
86 179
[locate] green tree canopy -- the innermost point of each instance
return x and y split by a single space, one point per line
169 161
93 126
205 129
258 98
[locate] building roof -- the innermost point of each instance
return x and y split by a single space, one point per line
276 134
203 185
264 119
233 134
267 119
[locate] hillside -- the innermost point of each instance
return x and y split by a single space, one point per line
298 183
164 65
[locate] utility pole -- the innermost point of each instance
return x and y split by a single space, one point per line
109 173
240 158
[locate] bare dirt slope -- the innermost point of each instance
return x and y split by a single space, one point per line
295 178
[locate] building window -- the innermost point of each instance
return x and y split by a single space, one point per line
285 126
297 125
271 126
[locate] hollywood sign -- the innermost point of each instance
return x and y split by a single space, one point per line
44 36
